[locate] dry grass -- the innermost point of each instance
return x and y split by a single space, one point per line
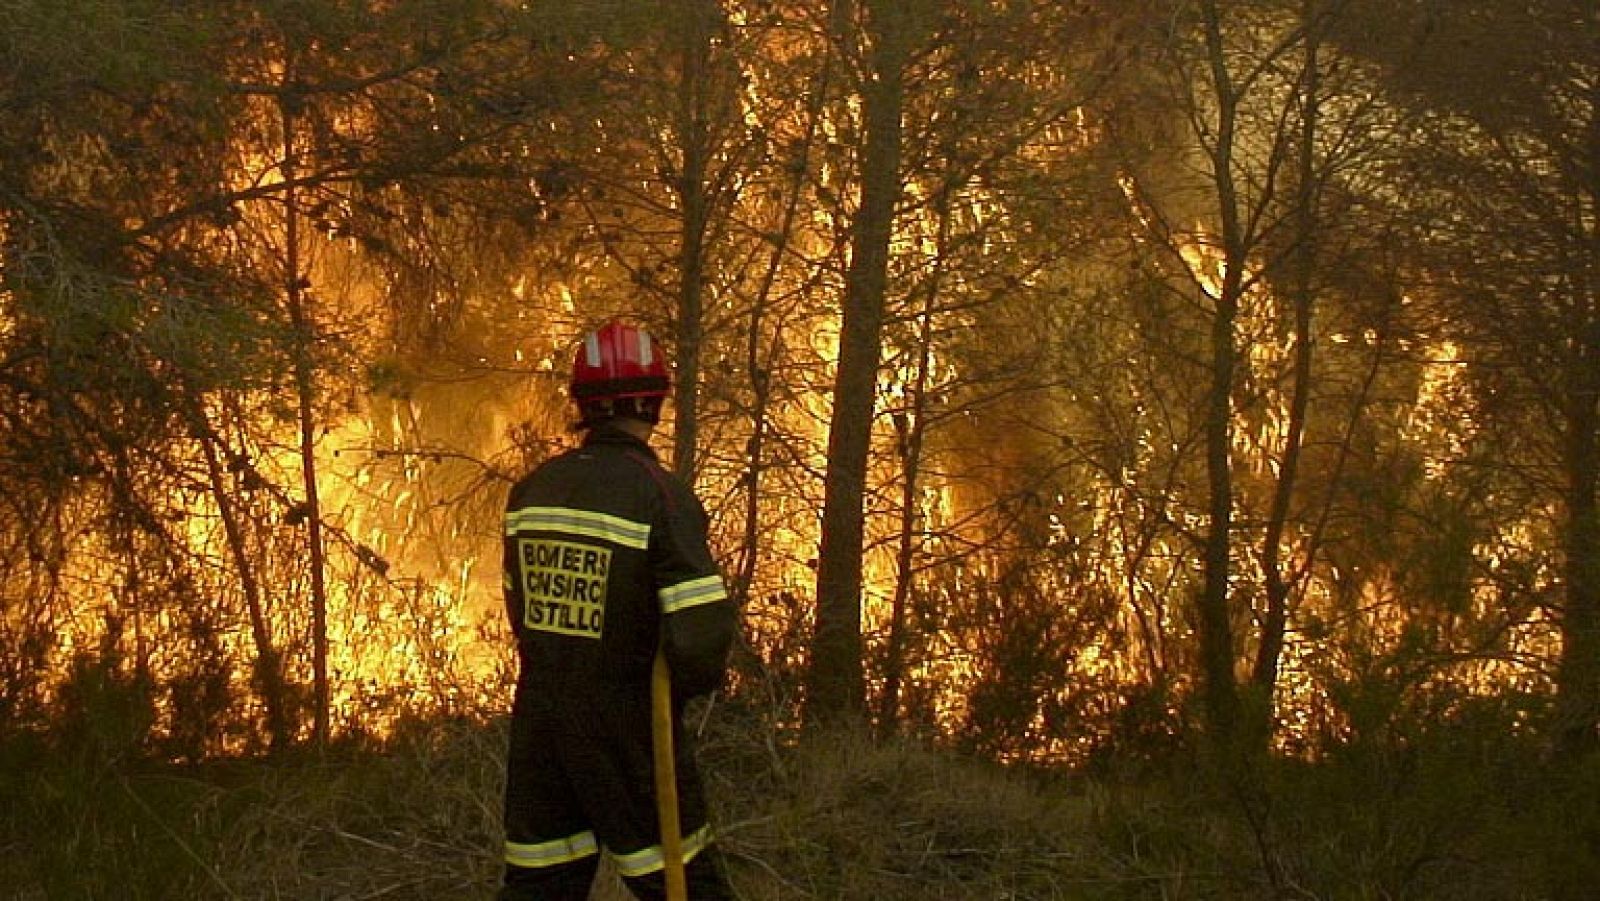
851 819
419 818
416 819
836 817
841 816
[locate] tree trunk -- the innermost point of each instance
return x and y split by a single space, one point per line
1275 619
695 49
1578 670
910 452
911 440
305 393
1220 690
761 373
835 685
269 679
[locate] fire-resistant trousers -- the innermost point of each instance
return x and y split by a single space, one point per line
579 786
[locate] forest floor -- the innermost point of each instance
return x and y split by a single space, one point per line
416 816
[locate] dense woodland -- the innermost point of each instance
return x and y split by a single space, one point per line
1066 382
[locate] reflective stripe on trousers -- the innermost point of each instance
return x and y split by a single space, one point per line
551 853
576 847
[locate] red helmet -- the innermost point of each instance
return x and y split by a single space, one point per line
618 361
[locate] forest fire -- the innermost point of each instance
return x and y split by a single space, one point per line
1150 447
1181 394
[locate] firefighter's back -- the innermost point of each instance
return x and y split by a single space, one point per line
577 534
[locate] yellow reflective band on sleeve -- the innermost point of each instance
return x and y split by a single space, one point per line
587 523
692 593
550 854
649 860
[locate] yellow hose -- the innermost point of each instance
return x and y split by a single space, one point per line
666 780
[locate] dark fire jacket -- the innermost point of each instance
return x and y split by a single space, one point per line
605 557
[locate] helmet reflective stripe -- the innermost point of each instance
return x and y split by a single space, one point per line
617 361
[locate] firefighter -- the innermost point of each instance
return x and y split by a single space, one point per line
606 564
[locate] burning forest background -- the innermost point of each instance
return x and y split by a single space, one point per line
1063 380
